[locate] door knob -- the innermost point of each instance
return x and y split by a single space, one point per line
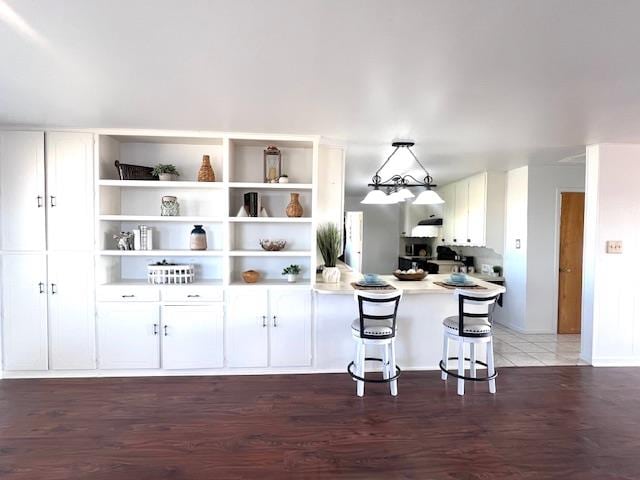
565 270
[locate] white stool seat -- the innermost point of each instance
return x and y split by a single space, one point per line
372 327
471 324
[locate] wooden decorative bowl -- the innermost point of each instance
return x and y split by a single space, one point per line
251 276
410 277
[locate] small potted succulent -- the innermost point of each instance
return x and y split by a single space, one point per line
292 272
165 173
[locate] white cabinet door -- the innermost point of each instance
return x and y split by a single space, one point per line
128 335
24 301
461 216
448 214
22 195
478 209
290 327
247 327
69 190
192 336
71 311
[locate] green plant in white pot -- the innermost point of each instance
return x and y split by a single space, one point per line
329 243
165 172
292 272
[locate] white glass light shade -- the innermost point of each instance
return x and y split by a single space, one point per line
428 197
396 197
377 197
405 193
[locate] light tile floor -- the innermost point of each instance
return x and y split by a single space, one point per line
513 349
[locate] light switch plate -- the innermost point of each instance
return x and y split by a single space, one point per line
517 243
614 246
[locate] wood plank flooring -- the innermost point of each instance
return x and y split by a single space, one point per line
544 423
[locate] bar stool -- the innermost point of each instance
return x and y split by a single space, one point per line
473 328
375 326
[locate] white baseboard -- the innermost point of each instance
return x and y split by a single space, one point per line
615 361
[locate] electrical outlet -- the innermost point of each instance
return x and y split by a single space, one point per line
614 246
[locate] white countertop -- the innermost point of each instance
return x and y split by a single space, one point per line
422 286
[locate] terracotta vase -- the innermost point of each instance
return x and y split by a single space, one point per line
294 209
206 173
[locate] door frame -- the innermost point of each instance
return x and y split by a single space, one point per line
556 252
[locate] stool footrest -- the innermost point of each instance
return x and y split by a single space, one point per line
454 373
372 380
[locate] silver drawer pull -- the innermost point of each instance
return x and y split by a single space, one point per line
193 296
127 296
40 204
155 328
52 201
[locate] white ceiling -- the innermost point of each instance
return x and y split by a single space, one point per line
475 83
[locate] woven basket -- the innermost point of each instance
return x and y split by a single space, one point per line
134 172
170 274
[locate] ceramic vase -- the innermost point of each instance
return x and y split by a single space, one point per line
206 173
331 274
198 238
294 209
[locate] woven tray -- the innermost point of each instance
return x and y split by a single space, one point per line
382 288
470 287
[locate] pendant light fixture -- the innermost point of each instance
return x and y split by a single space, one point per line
400 185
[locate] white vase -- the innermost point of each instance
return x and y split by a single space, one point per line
292 277
331 274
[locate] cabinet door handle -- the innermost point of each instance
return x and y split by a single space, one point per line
193 296
468 240
54 289
455 240
275 321
155 328
127 296
42 289
52 200
264 320
40 198
165 331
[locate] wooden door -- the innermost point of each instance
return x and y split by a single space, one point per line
570 276
71 311
24 301
128 335
192 336
22 194
247 327
290 327
69 191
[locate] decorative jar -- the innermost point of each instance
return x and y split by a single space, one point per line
169 206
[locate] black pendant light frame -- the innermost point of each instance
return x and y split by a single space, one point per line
397 182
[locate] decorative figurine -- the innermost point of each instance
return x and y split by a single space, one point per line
125 240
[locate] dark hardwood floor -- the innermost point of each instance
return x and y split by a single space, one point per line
552 422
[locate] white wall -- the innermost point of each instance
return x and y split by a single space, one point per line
545 183
515 260
611 308
381 235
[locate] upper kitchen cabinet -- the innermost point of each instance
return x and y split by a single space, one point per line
22 191
46 186
69 161
473 213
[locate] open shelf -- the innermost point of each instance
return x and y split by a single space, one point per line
264 253
158 218
271 186
270 219
144 282
159 184
270 283
162 253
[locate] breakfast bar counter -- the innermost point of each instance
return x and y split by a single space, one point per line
423 308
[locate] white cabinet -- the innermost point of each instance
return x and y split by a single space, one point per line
269 327
71 311
24 302
22 194
192 336
69 190
290 327
128 335
247 327
474 212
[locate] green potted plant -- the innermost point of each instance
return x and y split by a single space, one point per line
329 243
165 172
292 272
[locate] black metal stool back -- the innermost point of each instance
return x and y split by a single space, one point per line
380 308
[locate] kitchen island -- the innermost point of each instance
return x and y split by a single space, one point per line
419 342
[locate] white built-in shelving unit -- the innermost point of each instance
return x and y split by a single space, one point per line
233 242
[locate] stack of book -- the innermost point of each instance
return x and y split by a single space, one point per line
143 238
